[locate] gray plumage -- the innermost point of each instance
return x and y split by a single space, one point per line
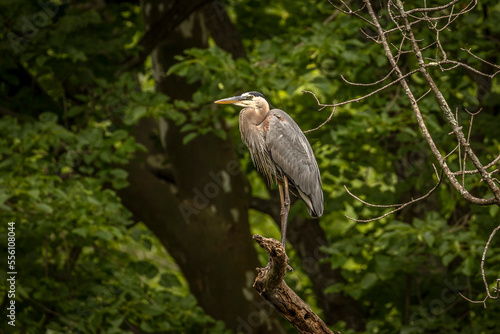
292 153
280 150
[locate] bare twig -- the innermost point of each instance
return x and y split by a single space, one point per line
486 285
349 11
475 171
322 107
369 94
482 264
326 121
398 206
367 84
433 9
446 111
423 95
470 68
481 59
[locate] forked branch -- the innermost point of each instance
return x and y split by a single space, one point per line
271 286
405 21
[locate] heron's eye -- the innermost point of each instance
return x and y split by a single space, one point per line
250 97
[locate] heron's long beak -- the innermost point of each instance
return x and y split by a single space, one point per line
230 100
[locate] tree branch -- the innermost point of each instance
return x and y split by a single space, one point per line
271 286
397 206
422 68
447 113
497 288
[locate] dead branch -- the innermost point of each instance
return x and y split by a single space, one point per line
402 80
445 109
486 285
468 67
271 286
404 21
398 207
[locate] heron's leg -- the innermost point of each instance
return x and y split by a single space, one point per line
286 209
282 211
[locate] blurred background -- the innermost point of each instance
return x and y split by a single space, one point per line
134 200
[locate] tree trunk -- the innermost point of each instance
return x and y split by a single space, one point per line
201 213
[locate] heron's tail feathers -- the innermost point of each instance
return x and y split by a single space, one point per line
314 202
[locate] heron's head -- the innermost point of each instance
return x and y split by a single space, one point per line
253 100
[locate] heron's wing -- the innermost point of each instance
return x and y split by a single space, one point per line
292 153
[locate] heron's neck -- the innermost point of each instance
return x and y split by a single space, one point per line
253 116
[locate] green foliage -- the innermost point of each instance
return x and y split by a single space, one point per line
424 254
77 255
84 267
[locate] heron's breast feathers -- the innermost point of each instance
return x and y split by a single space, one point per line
255 140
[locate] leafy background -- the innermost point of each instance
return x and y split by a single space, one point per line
86 266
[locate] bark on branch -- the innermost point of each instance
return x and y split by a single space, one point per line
271 285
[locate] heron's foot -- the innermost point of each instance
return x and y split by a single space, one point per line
289 266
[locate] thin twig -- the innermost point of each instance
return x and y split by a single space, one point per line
322 107
468 142
479 58
367 84
370 94
446 111
432 9
483 259
421 97
475 171
327 120
399 206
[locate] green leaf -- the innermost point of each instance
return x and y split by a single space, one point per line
81 231
469 266
102 234
448 258
169 280
429 238
188 127
48 117
335 288
493 210
220 133
368 281
146 268
189 137
45 208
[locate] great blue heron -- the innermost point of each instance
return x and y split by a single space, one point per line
280 150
